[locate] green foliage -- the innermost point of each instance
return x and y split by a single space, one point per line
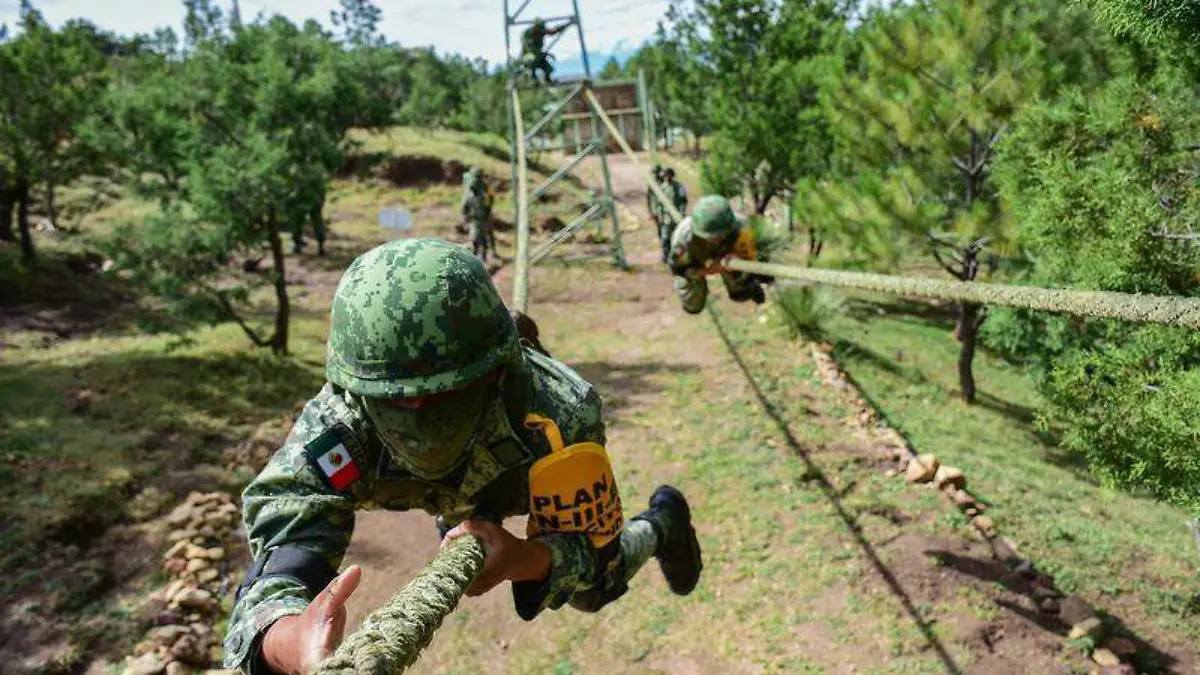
804 310
759 63
1133 411
50 80
1104 189
237 138
770 237
1175 22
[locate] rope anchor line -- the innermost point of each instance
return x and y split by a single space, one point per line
1158 309
392 637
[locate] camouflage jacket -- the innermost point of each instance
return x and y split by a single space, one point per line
292 503
678 195
476 202
688 254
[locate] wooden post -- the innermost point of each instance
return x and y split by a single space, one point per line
521 276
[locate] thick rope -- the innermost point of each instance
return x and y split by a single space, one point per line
392 637
1160 309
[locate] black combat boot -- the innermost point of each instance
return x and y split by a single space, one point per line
678 551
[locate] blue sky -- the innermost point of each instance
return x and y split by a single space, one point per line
470 27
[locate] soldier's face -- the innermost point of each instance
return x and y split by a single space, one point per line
431 435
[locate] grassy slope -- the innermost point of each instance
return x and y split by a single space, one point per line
1132 556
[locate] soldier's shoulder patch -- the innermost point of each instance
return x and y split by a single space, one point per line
332 458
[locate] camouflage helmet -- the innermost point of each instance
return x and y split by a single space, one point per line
414 317
657 172
713 217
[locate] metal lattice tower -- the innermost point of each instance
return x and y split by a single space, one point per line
521 141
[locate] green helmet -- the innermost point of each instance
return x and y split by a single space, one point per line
414 317
713 217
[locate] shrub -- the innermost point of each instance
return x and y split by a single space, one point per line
1104 189
801 311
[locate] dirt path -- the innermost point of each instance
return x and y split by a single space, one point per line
815 562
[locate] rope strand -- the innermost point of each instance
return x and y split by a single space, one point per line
393 636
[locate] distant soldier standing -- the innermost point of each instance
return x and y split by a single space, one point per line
534 48
652 205
477 211
666 224
700 245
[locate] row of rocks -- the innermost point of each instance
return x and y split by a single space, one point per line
183 641
1112 653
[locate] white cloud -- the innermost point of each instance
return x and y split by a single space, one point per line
473 28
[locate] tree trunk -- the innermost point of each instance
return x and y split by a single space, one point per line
27 251
7 202
51 207
279 342
967 331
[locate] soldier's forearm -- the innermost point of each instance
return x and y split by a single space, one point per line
536 561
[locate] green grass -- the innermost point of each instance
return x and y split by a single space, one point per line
1132 555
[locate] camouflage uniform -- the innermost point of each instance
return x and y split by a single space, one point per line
667 224
691 252
294 501
477 210
534 54
653 207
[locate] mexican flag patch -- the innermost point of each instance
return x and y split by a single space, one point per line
334 460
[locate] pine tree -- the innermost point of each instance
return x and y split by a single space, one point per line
1104 189
938 85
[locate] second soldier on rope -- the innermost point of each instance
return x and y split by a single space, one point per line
700 246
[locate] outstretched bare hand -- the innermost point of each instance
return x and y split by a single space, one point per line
297 644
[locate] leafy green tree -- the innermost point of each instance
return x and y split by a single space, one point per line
762 60
611 71
1104 188
676 80
1174 21
49 82
237 137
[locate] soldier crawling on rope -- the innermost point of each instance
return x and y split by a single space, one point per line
434 401
533 49
699 245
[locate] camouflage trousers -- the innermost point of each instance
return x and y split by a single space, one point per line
666 229
620 562
693 289
481 239
536 62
